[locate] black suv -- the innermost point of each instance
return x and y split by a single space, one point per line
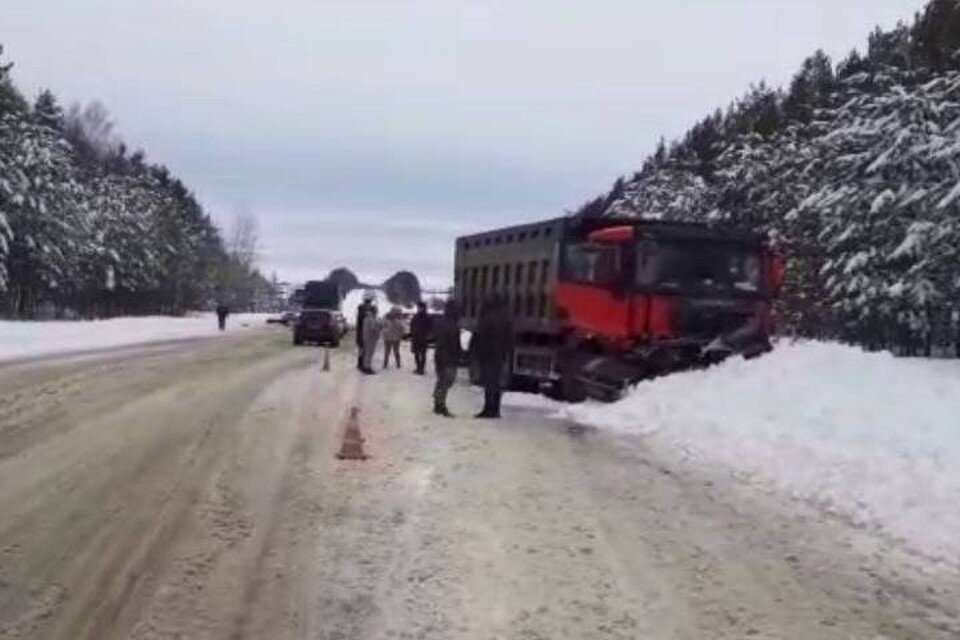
319 326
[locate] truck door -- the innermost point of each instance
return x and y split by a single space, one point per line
591 292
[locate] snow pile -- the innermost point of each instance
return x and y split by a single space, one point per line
20 338
865 435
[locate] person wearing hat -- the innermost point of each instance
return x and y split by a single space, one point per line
363 310
372 328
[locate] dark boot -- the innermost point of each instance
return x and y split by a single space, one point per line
441 410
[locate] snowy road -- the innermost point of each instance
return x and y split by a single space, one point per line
190 490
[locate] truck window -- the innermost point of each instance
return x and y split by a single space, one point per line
495 278
519 275
532 272
698 266
592 263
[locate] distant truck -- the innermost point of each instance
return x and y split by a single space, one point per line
320 320
320 294
599 304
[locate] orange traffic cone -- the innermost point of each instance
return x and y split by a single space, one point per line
352 447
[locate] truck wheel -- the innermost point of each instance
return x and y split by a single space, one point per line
335 343
297 340
571 388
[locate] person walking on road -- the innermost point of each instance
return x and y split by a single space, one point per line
447 356
372 328
420 337
362 309
222 312
393 332
491 345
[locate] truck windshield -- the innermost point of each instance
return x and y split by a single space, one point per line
699 267
593 263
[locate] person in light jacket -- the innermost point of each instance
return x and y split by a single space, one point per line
372 328
393 332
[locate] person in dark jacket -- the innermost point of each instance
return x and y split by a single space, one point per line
447 356
420 337
222 312
362 311
490 346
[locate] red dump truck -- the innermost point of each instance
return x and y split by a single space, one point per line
599 304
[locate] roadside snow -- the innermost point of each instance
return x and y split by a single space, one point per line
865 435
21 338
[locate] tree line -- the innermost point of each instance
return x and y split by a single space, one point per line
853 170
90 229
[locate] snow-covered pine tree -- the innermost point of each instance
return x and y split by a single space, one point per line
856 172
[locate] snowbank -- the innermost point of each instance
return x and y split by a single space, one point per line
20 339
866 435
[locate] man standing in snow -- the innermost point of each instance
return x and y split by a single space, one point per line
491 346
372 327
362 310
447 355
222 312
419 337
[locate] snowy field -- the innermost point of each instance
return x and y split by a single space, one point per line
19 339
865 435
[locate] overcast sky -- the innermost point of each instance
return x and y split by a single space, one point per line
370 134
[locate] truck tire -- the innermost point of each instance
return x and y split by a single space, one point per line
335 343
571 358
297 340
571 388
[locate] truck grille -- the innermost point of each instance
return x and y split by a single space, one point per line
709 319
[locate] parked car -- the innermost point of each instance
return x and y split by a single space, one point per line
320 326
289 317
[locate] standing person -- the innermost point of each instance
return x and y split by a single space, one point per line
222 312
420 337
447 356
362 309
372 328
393 331
491 345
